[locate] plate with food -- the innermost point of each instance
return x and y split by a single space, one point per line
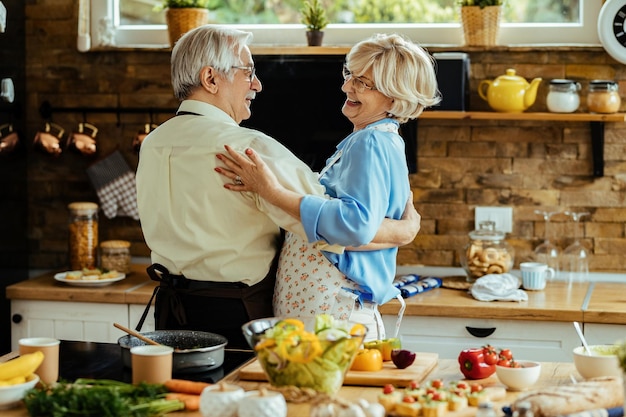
90 277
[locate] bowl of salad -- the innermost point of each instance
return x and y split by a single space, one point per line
313 353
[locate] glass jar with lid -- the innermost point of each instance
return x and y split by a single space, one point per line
115 256
563 96
487 252
83 235
603 96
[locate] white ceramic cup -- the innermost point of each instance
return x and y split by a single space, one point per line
151 363
48 371
535 275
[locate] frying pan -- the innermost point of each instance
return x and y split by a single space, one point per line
194 351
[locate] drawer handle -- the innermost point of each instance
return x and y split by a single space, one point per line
480 332
17 318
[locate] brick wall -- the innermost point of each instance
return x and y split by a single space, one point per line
527 165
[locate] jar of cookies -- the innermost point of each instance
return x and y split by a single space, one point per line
487 252
83 238
115 256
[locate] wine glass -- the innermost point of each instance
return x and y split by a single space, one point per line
575 265
547 252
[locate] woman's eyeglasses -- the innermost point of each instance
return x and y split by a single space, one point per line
249 70
357 83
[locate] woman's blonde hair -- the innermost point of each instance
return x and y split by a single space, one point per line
401 70
209 45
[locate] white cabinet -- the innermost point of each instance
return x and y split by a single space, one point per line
531 340
604 334
64 320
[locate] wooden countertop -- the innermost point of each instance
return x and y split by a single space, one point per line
595 302
447 370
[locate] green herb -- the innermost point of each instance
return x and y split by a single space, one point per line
99 398
314 15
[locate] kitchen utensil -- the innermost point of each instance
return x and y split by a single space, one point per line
509 92
151 364
597 361
581 336
136 334
194 351
48 371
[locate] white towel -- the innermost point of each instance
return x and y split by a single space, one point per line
498 287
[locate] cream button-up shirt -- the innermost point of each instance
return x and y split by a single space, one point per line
191 223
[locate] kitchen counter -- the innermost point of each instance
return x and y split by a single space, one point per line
447 370
596 301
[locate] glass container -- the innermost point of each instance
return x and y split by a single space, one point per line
603 97
487 252
115 256
83 236
563 96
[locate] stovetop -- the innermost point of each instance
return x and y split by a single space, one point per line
104 361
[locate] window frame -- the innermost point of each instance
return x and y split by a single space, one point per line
155 36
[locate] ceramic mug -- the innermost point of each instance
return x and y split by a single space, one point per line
535 275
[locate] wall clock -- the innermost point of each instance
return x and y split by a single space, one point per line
612 28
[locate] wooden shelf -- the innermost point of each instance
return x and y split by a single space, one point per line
596 122
487 115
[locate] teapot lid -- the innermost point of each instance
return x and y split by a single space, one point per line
487 231
510 76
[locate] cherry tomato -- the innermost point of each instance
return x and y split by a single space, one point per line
437 383
408 399
490 355
504 362
506 353
515 364
413 385
388 389
476 387
368 360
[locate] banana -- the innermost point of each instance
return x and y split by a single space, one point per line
13 381
21 366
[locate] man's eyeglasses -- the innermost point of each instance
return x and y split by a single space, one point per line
357 83
249 70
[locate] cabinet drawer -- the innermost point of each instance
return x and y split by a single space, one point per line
91 322
447 336
604 334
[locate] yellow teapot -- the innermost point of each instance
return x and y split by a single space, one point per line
509 93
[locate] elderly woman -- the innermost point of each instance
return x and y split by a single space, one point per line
387 81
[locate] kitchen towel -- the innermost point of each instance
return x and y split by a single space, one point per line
115 185
498 287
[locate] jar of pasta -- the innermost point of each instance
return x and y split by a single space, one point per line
603 97
486 253
115 256
83 238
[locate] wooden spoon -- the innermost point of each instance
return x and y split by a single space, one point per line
136 334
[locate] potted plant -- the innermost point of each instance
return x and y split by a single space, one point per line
480 21
183 15
314 17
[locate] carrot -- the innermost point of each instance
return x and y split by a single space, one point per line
185 386
192 401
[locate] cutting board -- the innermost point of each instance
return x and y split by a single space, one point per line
423 365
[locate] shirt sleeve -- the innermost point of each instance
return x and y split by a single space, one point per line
294 175
360 184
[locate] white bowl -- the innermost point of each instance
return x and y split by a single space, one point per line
11 395
518 379
602 361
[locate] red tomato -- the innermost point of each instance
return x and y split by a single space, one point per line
504 362
431 391
437 383
515 364
414 385
490 355
506 353
462 385
438 396
388 389
476 388
408 399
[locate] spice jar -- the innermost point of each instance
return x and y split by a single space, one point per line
487 252
603 97
563 96
115 256
83 239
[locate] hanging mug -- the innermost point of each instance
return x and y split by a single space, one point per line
49 140
84 141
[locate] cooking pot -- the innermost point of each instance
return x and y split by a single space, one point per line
194 351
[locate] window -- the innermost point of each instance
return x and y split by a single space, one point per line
536 22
